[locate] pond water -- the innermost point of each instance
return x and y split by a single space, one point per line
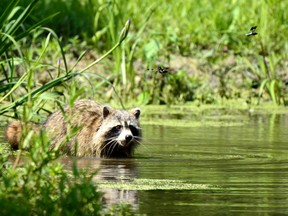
221 165
216 165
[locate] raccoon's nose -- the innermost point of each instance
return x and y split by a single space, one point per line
128 137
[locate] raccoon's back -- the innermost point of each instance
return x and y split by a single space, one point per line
85 116
84 112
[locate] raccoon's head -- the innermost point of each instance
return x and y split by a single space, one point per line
121 132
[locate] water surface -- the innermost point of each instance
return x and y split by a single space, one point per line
249 163
237 166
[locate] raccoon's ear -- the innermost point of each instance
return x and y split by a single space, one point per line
106 111
136 112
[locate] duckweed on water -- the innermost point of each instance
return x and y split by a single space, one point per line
156 184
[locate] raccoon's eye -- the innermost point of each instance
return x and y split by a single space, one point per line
133 130
116 128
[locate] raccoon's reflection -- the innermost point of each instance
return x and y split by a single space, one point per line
114 170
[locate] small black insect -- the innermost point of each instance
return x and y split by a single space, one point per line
161 69
252 31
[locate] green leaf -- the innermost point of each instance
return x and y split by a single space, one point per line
7 11
263 85
49 95
272 89
151 50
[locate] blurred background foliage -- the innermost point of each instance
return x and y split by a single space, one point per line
203 44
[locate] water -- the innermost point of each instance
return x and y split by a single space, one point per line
244 165
248 162
242 168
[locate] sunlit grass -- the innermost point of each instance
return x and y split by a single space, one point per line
227 64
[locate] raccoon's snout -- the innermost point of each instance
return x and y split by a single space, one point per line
128 138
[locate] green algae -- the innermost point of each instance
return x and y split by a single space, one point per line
156 184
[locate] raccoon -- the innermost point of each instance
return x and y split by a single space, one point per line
101 130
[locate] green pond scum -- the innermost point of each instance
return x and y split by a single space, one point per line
156 184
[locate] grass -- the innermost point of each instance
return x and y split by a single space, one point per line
41 186
60 79
34 183
203 44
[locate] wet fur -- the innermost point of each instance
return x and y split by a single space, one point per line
96 135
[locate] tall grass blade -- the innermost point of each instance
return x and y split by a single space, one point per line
4 45
7 11
22 17
61 48
122 37
37 92
272 89
262 87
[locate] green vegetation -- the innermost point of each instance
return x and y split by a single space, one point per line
202 42
157 184
40 187
34 184
53 52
